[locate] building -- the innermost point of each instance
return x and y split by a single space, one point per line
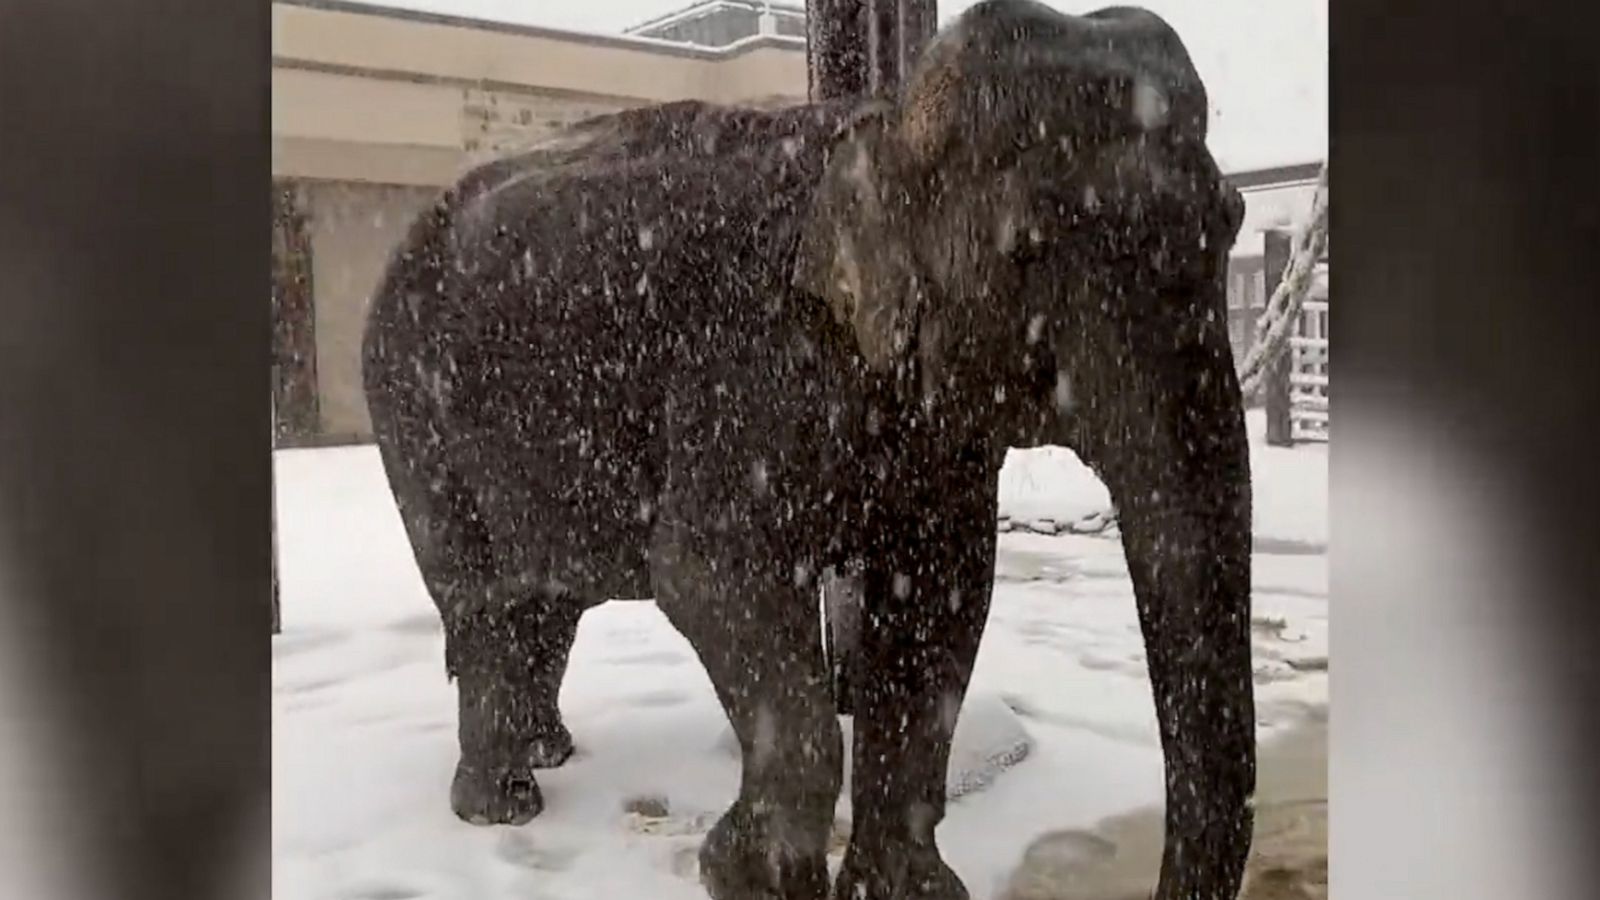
723 23
1275 199
374 110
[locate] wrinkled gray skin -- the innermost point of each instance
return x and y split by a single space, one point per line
700 354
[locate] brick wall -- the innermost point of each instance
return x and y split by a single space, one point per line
497 122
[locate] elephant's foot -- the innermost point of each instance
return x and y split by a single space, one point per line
505 793
503 742
495 795
900 873
749 856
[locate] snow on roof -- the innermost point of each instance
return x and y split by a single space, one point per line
1283 205
1237 152
707 7
724 23
445 12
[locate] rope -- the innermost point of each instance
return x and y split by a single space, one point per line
1283 308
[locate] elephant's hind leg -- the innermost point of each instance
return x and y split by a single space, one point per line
506 643
758 636
509 660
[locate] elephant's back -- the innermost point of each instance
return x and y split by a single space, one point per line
575 281
632 232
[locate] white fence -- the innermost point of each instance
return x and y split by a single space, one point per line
1308 371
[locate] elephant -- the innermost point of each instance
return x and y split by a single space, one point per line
700 354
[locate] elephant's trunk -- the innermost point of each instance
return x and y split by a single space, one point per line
1179 472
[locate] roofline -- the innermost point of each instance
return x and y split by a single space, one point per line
708 6
1275 176
624 41
281 61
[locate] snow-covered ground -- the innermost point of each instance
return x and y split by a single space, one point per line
363 719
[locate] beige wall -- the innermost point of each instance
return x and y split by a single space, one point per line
397 100
354 229
372 114
497 122
623 67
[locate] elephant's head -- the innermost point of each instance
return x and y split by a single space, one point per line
1035 238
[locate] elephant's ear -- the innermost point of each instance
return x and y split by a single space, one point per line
853 249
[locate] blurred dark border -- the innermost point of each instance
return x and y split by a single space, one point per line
1466 212
134 474
134 433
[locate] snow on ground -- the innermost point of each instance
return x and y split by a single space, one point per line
363 719
1291 488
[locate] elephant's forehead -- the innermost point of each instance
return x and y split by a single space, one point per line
1022 37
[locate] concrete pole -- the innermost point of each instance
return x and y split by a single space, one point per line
1275 387
860 48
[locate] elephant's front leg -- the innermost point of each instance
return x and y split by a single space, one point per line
927 596
1192 579
754 626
